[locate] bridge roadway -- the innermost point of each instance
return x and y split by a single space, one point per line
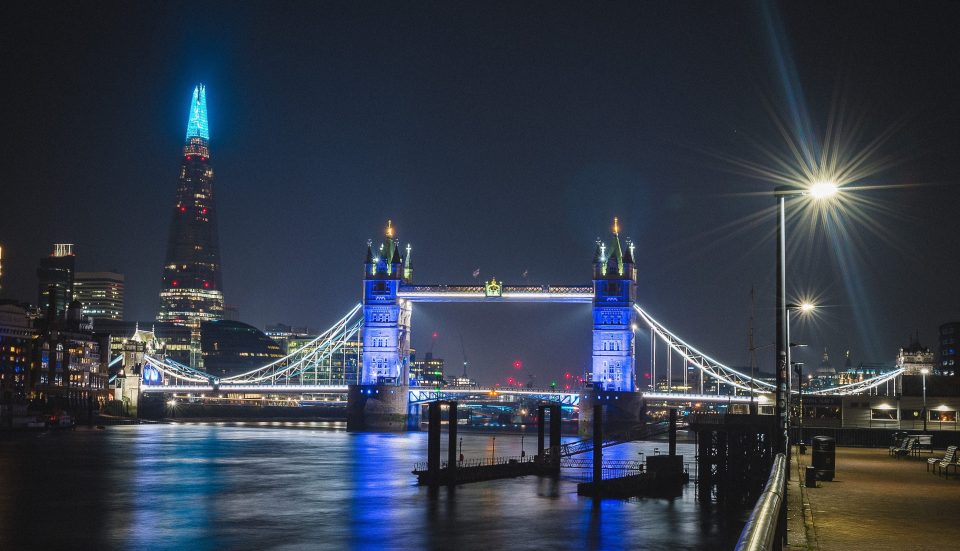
421 394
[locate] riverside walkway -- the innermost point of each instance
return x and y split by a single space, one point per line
876 503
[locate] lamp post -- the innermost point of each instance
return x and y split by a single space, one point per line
782 392
798 367
820 190
923 373
804 308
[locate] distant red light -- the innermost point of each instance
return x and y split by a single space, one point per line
566 387
566 375
435 334
203 210
183 209
646 375
206 284
517 364
174 283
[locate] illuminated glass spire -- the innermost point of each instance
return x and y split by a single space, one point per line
197 124
191 291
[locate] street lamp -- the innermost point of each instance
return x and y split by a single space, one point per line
819 191
822 189
923 373
798 367
804 309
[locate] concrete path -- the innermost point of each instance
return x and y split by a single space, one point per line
875 503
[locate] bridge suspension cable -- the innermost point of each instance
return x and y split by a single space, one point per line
859 386
289 369
257 375
179 371
732 377
311 355
706 364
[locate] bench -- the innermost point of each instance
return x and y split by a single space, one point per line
924 443
949 456
945 468
907 448
899 444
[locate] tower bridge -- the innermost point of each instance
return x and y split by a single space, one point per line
383 397
389 294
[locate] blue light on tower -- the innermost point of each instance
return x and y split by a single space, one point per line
151 375
197 124
614 282
386 337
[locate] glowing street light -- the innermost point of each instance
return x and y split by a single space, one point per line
924 371
823 189
818 191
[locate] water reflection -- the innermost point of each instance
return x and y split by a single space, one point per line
309 485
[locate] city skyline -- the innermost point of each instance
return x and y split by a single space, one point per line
306 175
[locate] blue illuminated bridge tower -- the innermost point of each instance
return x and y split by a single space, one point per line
381 399
613 369
386 334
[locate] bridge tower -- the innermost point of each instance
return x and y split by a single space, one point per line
613 369
380 401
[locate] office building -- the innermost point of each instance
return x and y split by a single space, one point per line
100 294
56 273
191 288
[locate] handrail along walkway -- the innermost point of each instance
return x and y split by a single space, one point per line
760 532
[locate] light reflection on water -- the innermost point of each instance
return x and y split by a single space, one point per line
311 485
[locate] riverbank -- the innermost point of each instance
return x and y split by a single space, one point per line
875 502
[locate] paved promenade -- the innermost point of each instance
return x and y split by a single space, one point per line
875 503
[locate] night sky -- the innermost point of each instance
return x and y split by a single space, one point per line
499 136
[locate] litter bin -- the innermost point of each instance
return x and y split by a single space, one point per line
824 457
810 481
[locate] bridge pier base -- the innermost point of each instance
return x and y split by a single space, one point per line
622 410
553 452
377 408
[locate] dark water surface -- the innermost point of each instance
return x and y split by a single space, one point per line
310 486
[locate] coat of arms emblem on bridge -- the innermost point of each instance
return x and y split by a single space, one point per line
493 288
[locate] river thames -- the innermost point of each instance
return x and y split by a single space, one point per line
312 485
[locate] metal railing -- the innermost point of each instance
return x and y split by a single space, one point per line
637 433
422 466
760 532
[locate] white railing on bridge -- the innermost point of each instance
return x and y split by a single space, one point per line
511 293
419 395
246 389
